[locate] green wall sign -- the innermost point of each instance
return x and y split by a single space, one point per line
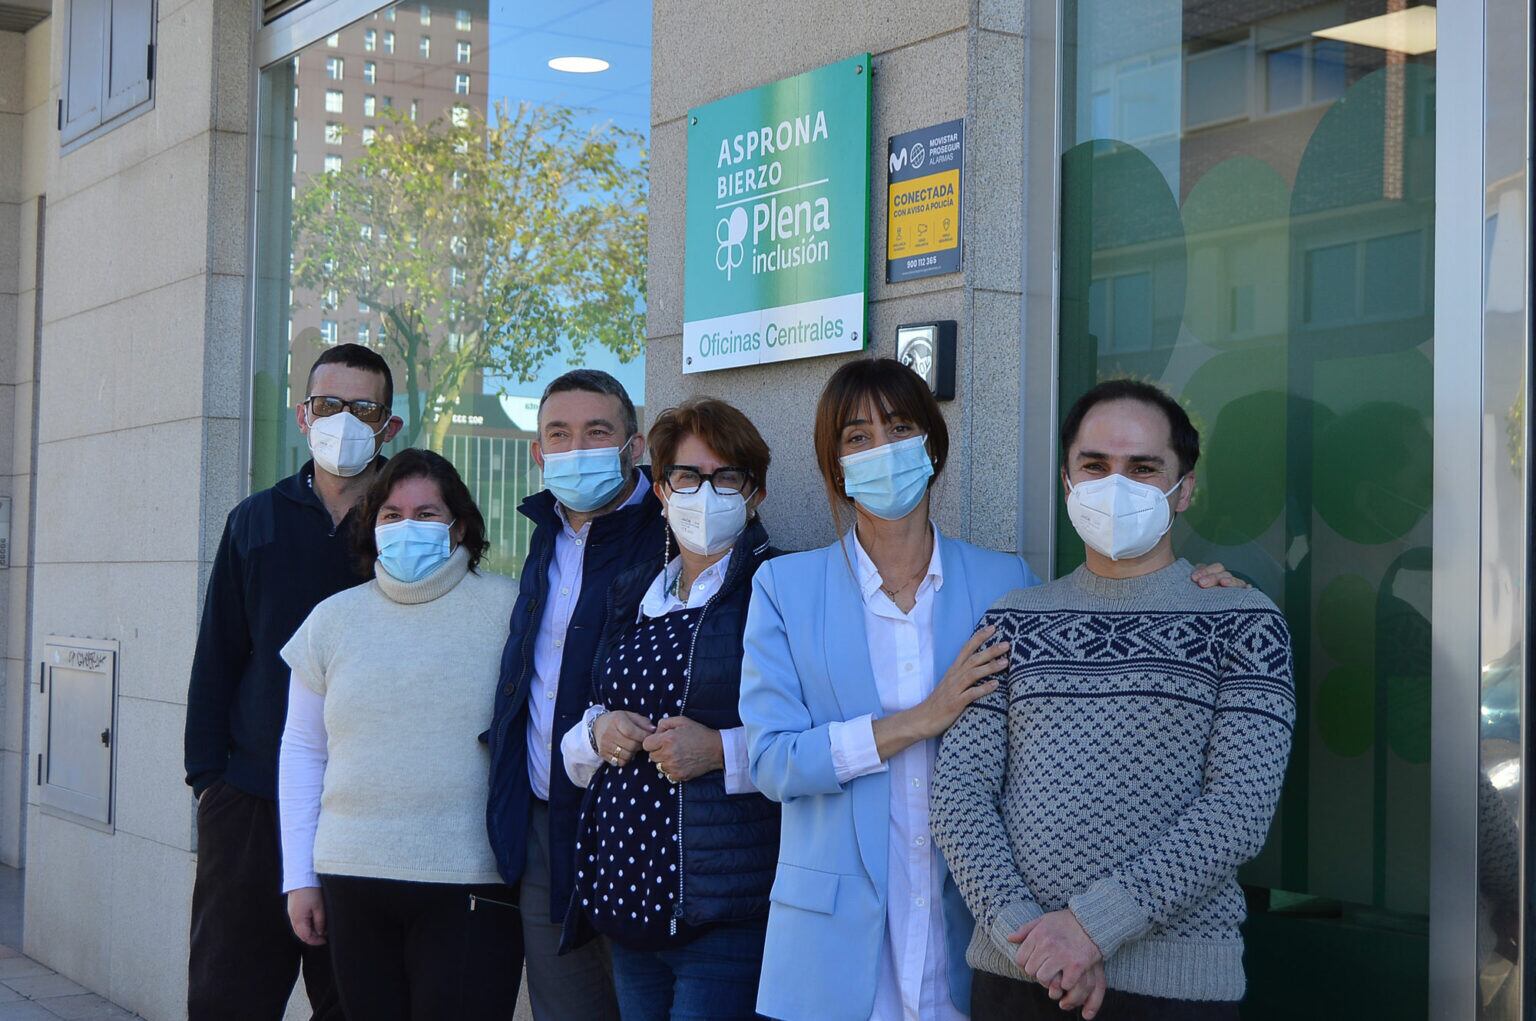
777 234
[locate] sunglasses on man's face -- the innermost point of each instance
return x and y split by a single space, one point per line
371 412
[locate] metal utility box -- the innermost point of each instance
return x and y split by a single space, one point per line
78 686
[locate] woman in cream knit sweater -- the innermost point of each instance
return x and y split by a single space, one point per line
381 778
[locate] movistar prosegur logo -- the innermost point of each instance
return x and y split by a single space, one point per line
914 154
731 232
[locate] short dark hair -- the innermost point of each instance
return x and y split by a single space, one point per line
721 427
355 356
894 390
1182 433
595 381
415 463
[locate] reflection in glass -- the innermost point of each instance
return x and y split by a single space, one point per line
1506 511
476 217
1270 263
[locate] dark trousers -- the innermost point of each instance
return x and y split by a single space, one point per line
994 998
245 957
578 984
711 978
420 952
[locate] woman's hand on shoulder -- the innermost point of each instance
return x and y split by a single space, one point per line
1212 575
973 675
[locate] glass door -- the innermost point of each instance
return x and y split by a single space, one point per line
1247 218
460 185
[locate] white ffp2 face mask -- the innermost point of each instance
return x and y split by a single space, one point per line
707 522
342 444
1119 517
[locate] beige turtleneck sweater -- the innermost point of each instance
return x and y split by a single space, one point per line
407 673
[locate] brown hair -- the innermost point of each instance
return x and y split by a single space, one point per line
720 426
415 463
894 391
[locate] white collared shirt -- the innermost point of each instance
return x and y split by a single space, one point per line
914 960
565 576
582 762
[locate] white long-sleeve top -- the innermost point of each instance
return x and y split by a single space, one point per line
567 569
914 961
582 760
300 779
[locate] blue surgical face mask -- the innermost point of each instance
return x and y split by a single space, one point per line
410 550
584 480
889 481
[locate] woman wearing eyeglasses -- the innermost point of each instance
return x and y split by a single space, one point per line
675 848
381 780
858 657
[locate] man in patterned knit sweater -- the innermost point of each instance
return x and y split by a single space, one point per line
1094 809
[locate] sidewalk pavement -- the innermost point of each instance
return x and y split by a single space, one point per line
31 992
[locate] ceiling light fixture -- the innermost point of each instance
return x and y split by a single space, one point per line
1411 31
578 65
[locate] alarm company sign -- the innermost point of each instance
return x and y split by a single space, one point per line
777 221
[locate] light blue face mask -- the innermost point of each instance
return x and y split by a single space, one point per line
889 481
410 550
584 480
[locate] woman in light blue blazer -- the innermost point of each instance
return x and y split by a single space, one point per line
858 657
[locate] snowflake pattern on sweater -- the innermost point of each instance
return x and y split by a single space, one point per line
1130 761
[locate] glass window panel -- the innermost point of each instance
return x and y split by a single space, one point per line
417 285
1328 69
1098 313
370 72
1131 328
1285 78
1275 275
1146 108
370 39
335 101
1216 85
1102 114
1331 284
426 47
1505 738
334 68
1394 276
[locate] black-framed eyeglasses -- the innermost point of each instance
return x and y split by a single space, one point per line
371 412
687 478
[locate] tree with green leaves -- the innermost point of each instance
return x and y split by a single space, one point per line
483 244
